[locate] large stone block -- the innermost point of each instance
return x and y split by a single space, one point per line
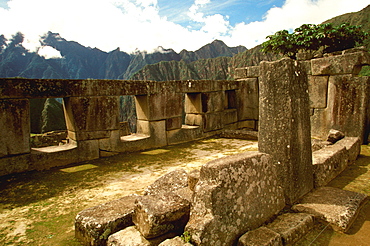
15 164
213 121
284 124
234 194
335 206
91 113
247 99
185 134
161 103
347 108
15 127
155 215
171 181
212 101
240 73
328 162
348 104
94 225
318 90
292 226
350 63
230 116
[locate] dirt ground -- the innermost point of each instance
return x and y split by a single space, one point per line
38 208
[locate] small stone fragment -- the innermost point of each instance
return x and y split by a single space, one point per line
176 241
130 236
260 237
335 135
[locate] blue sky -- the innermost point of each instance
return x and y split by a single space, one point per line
142 25
237 10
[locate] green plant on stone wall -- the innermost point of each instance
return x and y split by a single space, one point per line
310 37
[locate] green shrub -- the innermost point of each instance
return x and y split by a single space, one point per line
310 37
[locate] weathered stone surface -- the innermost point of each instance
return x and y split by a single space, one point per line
94 225
171 181
173 123
247 99
156 215
130 236
346 109
230 116
333 205
91 113
193 179
246 72
185 134
213 101
260 237
213 121
249 124
349 63
240 73
15 127
318 90
233 195
284 108
176 241
319 144
193 119
353 146
334 136
328 162
124 128
292 226
253 72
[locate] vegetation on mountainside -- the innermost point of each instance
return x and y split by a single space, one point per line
309 37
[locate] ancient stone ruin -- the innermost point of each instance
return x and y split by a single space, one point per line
269 197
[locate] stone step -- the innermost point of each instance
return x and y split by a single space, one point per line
332 205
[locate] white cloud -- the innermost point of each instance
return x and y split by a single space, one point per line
291 15
49 52
137 24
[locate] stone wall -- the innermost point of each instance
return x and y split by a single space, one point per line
92 117
339 99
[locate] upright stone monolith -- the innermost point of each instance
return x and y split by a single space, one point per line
284 126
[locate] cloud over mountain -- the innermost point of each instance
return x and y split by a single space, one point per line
147 24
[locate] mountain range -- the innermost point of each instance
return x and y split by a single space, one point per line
213 61
80 62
